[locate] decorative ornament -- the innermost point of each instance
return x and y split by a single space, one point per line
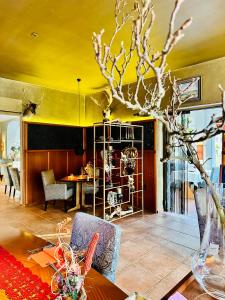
119 212
112 198
128 157
131 183
30 109
106 111
89 169
29 106
108 164
106 114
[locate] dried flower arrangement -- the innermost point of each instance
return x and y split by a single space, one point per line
72 266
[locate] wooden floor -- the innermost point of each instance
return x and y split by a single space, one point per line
155 249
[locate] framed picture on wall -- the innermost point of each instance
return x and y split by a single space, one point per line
190 88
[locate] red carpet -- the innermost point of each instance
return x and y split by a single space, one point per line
18 282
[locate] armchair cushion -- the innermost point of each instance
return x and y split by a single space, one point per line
57 191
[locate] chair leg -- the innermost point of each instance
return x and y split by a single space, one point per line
65 206
14 193
46 205
5 189
10 189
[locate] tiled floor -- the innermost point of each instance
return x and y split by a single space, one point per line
155 249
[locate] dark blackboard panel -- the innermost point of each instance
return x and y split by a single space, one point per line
148 134
51 137
90 137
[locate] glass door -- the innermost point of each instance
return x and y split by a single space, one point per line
180 175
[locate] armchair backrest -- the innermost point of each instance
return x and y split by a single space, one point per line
48 177
107 250
14 172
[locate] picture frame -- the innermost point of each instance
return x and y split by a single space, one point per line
191 87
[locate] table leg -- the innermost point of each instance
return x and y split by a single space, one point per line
77 196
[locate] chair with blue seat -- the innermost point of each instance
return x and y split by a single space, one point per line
107 251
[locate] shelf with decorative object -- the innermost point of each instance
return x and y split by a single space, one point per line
118 154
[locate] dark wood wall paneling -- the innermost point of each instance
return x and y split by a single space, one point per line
149 165
40 154
36 161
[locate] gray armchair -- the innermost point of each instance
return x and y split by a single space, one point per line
14 172
55 191
7 178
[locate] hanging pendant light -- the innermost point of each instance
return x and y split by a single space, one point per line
79 147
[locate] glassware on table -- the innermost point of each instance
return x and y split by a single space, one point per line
208 263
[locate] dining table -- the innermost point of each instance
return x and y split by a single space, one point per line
19 244
189 288
77 181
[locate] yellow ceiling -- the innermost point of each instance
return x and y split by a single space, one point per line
63 49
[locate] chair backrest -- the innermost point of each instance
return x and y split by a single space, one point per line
107 250
14 172
6 175
48 177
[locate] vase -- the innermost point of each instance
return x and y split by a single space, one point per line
208 263
81 296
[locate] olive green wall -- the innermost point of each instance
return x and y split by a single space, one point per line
59 107
93 113
54 106
212 73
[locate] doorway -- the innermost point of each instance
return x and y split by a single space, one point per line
10 154
178 196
